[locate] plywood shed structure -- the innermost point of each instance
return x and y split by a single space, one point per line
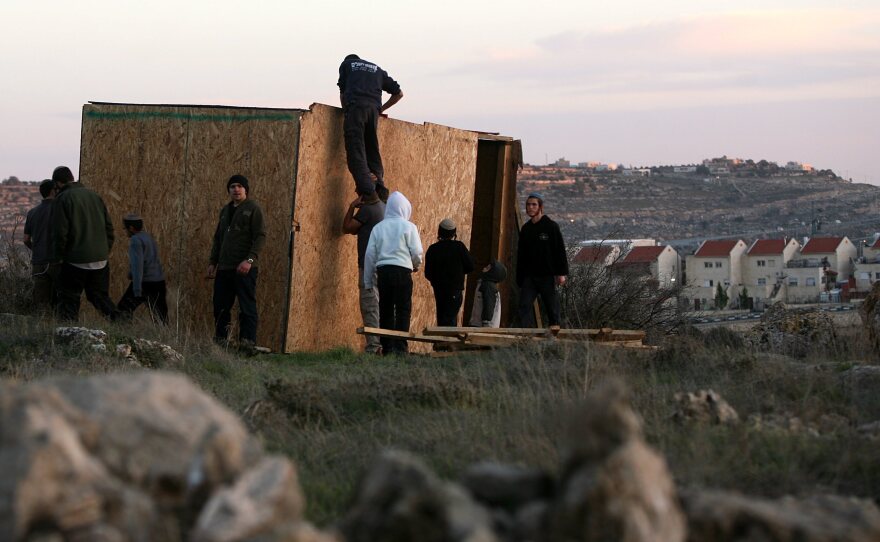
170 163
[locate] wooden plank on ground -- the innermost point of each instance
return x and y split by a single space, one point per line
605 334
407 336
494 339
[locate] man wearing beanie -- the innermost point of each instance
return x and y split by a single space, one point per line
37 237
145 271
82 236
446 264
541 263
360 91
238 240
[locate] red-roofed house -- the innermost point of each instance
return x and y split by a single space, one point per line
839 251
866 270
715 262
601 254
764 268
662 263
821 259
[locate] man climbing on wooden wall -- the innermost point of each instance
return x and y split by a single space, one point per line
360 91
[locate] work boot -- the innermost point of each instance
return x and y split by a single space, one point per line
382 191
247 347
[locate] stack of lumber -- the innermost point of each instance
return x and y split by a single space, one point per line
457 338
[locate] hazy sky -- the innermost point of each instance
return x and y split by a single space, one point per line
633 82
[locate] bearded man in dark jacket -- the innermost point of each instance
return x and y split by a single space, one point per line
541 264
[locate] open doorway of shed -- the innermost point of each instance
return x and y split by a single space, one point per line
487 213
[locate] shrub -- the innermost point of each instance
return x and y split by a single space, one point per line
16 287
620 297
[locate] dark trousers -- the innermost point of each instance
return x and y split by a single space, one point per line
448 304
362 146
395 304
153 294
229 286
96 283
44 277
532 288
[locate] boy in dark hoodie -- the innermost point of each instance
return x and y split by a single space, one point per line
487 302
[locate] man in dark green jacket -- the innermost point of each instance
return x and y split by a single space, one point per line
82 236
240 235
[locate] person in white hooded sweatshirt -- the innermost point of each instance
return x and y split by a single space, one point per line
393 253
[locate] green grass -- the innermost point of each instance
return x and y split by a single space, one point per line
332 412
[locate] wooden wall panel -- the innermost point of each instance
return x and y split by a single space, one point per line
179 159
136 163
433 166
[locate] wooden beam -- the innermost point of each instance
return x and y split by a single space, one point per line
605 334
494 339
407 336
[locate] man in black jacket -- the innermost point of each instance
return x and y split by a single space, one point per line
541 263
446 264
238 240
360 91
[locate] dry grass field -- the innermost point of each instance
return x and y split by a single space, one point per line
332 412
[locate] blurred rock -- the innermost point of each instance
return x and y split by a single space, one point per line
80 336
125 453
719 516
262 500
400 500
870 430
781 422
614 487
506 486
155 354
704 406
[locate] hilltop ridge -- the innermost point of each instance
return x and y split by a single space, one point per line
672 206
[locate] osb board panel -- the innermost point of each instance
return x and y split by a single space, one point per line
433 166
135 162
211 144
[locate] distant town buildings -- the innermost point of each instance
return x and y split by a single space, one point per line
734 274
772 270
645 257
